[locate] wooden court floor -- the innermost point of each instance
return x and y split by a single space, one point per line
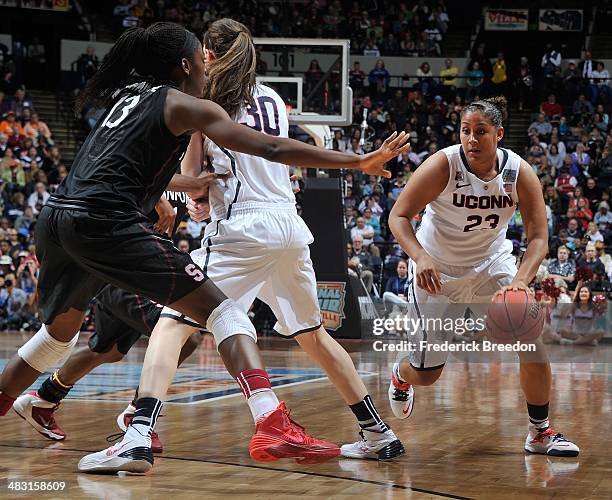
464 439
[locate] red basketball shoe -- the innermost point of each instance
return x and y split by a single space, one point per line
39 414
124 419
278 436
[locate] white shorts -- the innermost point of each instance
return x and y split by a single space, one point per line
466 292
262 252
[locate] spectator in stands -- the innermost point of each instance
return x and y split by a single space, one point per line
313 75
474 80
524 83
580 162
604 257
26 220
361 262
366 232
574 231
592 192
551 60
425 78
540 126
603 218
38 198
555 159
15 305
500 76
562 267
591 260
13 174
600 83
356 78
3 145
397 288
379 79
433 37
9 125
571 81
52 160
39 128
448 78
593 232
551 108
87 64
580 108
587 66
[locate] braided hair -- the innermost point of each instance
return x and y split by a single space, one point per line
494 108
147 54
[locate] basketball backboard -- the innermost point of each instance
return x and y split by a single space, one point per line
321 97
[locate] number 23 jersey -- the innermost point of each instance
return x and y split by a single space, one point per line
466 224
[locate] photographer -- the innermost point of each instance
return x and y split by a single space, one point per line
14 308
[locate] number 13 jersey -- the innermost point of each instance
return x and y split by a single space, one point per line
466 224
254 180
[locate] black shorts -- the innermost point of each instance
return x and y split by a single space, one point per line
122 318
81 252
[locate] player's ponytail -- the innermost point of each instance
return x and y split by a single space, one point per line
231 74
146 54
494 108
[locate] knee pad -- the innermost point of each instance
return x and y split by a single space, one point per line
43 351
227 320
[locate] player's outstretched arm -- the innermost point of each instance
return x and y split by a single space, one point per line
533 212
187 114
424 186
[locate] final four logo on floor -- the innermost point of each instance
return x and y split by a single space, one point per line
331 295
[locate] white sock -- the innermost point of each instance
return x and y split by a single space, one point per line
262 403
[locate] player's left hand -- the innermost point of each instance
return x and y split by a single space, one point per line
374 163
166 213
515 286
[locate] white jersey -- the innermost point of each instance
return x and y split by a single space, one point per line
254 181
466 224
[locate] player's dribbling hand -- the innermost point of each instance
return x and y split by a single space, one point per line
427 276
198 210
166 214
515 286
374 163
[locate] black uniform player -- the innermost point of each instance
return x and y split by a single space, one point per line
94 231
121 318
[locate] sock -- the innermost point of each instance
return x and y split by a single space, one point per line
53 389
6 403
145 417
135 397
401 382
367 416
255 385
538 416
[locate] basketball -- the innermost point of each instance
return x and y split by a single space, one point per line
513 316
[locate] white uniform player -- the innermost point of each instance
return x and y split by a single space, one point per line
473 215
257 244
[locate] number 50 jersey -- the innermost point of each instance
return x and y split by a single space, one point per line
466 225
254 181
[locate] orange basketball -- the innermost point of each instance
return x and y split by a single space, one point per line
514 316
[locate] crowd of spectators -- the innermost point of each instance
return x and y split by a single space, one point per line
400 29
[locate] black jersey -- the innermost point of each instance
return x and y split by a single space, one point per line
128 158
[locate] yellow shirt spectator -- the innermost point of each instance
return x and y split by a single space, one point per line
499 71
449 74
